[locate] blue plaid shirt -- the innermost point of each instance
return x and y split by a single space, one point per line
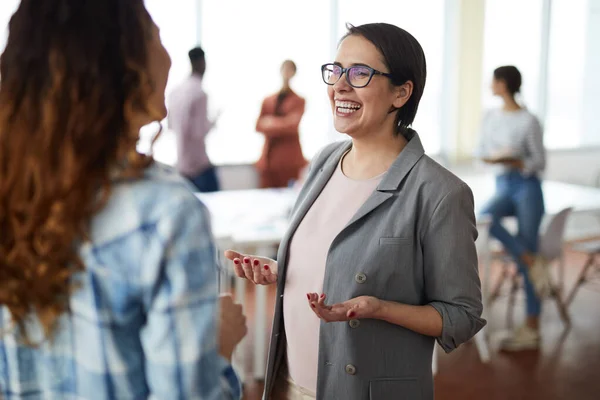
143 321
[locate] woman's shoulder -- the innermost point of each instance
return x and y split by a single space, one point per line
296 96
437 181
529 116
133 204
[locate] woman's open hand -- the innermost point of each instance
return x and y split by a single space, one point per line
358 307
259 270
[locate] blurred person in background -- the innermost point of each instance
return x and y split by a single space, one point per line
188 118
511 140
108 281
379 260
281 160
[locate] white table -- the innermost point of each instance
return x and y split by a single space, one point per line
557 195
252 220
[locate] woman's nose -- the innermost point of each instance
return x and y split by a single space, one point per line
342 84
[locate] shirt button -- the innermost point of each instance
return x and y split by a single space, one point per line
354 323
350 369
360 278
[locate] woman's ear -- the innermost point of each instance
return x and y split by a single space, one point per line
403 93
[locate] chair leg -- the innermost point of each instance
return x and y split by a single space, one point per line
498 286
511 301
580 279
562 309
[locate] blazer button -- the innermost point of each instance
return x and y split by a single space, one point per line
360 278
350 369
354 323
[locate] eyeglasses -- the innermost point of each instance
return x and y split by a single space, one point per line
357 76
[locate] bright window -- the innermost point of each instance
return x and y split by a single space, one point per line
573 85
177 23
7 8
512 36
244 52
424 19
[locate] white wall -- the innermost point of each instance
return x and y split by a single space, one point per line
591 102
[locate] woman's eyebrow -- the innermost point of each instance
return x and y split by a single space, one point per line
353 64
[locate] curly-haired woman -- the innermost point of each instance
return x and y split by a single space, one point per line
107 272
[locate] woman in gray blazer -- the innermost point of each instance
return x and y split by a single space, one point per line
379 259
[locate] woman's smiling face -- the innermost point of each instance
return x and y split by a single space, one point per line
362 111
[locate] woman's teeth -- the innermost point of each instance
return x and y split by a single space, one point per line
347 107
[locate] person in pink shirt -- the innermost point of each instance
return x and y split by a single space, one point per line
188 118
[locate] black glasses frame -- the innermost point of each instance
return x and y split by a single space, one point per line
346 70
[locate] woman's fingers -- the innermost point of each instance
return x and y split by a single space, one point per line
312 300
232 254
238 269
249 274
256 269
268 274
317 303
321 300
257 275
345 311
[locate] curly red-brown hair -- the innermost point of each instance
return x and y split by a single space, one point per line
73 82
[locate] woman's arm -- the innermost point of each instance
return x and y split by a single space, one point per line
425 320
421 319
179 338
285 125
451 271
535 161
452 286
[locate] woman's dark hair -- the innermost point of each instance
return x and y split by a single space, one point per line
196 54
511 76
405 59
74 83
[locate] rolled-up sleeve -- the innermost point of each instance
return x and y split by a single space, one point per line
451 272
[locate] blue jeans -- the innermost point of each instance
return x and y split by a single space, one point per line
521 197
206 181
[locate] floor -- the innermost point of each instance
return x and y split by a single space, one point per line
566 367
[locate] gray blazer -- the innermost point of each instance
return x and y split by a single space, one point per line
413 242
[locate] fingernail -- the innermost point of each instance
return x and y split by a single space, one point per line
236 261
246 260
256 262
322 295
351 315
308 296
266 266
312 305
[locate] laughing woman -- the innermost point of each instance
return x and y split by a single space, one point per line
379 259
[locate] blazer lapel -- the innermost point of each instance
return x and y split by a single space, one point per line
321 180
390 184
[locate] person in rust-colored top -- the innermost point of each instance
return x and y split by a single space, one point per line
281 160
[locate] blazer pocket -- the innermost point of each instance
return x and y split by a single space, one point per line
395 388
395 241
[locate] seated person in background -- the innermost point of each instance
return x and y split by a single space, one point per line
511 139
281 159
108 282
188 118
